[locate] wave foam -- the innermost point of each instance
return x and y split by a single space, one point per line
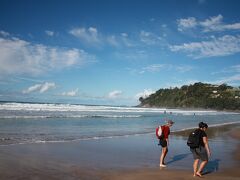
37 107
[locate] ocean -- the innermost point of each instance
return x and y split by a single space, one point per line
25 123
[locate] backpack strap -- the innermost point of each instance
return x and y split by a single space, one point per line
163 131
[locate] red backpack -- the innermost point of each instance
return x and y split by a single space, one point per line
159 132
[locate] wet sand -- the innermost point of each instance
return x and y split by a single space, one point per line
130 158
230 173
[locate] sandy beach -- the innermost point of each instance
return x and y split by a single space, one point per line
127 158
227 173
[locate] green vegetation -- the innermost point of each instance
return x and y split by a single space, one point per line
198 95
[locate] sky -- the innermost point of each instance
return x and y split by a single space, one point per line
111 52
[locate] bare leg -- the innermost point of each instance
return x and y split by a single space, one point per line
195 166
163 155
202 165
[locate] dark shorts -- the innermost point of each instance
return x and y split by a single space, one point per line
200 153
163 142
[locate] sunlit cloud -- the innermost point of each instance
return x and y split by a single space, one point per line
49 33
89 35
186 23
4 33
149 38
153 68
184 68
233 80
23 57
40 88
114 94
214 23
223 46
112 40
146 93
231 69
70 93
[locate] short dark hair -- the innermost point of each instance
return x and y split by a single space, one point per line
203 125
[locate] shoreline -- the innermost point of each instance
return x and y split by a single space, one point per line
182 132
112 159
187 109
212 130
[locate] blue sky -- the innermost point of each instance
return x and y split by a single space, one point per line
112 52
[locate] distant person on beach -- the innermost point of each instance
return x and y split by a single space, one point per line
164 141
202 152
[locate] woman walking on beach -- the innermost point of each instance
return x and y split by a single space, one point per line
202 152
164 141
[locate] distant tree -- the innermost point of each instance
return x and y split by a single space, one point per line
198 95
141 99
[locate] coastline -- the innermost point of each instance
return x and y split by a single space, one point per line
127 158
188 108
213 130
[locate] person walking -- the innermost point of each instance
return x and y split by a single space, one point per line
164 141
202 152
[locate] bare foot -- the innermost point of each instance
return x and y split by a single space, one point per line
162 165
198 174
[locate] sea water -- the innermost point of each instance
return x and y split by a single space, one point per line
22 123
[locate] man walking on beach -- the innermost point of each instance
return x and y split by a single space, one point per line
202 152
164 141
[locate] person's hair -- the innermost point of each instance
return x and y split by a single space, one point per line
203 125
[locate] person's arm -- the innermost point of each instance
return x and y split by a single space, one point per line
205 141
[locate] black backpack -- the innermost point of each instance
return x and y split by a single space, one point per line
194 139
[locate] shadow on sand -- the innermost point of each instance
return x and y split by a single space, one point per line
178 157
212 166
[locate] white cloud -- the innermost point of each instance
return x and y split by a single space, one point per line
132 55
125 40
4 33
114 94
124 34
231 79
41 88
214 23
148 38
236 68
155 67
112 40
146 93
93 37
89 35
183 68
70 93
225 45
49 33
22 57
235 79
186 23
231 69
180 83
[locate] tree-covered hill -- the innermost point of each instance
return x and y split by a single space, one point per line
198 95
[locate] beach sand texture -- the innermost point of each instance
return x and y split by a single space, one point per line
114 159
227 173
